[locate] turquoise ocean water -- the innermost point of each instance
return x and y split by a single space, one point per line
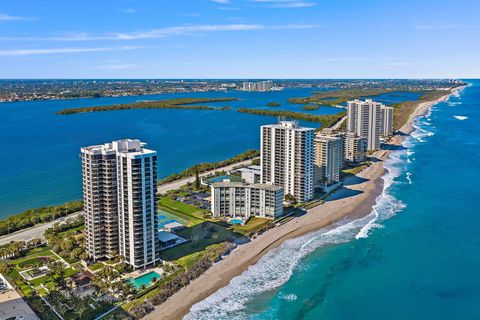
40 150
416 256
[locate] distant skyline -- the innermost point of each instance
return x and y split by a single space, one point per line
240 39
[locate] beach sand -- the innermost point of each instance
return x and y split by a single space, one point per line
353 201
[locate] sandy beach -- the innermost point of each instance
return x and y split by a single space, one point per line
354 200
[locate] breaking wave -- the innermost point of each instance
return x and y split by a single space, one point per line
276 267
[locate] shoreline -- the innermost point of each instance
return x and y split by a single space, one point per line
338 206
341 205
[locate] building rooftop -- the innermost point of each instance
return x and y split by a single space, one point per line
165 236
132 147
263 186
250 169
288 125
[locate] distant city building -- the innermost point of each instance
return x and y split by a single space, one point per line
370 120
241 200
251 174
258 86
355 148
120 201
327 160
286 158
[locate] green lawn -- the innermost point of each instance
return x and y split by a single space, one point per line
201 236
96 266
29 260
192 215
355 170
252 225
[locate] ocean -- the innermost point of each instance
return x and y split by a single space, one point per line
40 150
415 256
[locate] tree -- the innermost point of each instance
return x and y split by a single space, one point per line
197 179
5 267
57 272
290 198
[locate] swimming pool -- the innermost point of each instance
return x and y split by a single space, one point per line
144 280
236 221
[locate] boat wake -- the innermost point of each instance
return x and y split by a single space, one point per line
461 117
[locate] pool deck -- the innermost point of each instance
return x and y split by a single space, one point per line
139 273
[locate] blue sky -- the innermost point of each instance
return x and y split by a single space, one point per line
240 39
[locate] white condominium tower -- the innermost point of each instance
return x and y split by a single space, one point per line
241 200
387 121
327 160
370 120
119 187
355 148
286 158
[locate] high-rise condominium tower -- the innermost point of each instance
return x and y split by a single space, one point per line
355 148
286 158
119 191
370 120
327 160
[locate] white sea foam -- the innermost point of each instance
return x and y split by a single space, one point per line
461 117
452 104
409 175
289 297
277 266
420 133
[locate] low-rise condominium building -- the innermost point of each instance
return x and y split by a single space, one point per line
242 200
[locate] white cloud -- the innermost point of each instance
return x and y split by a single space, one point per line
163 32
221 1
29 52
130 10
286 3
7 17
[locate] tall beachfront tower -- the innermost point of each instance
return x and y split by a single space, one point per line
119 183
328 157
286 158
364 118
387 121
355 148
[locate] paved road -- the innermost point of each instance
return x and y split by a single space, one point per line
177 184
35 232
339 123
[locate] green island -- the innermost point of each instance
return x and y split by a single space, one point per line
402 110
32 217
273 104
326 120
207 166
336 97
181 103
311 107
